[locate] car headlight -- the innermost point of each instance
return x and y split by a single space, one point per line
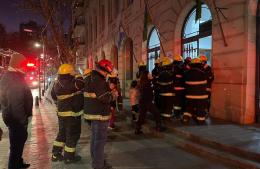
34 83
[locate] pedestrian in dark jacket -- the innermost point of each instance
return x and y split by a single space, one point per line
146 104
97 99
16 102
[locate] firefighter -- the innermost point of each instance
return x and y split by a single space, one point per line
141 69
210 76
165 82
97 99
178 86
196 94
67 92
155 75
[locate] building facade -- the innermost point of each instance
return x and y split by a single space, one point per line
225 33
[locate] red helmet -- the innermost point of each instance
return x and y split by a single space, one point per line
105 65
188 59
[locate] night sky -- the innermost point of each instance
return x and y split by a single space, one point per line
11 16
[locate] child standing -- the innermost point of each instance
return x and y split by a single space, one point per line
113 81
134 100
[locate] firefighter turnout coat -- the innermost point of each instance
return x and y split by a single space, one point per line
165 82
97 97
196 94
67 92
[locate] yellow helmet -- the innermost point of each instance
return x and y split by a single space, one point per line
87 71
166 61
178 58
66 69
141 63
195 60
203 58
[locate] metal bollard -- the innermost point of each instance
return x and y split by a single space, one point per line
37 101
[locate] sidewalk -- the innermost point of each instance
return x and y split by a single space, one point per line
237 145
123 149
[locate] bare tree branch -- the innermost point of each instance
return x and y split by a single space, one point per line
55 13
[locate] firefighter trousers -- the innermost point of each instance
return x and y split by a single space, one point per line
166 106
195 108
178 103
68 136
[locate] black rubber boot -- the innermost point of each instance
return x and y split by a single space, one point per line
57 157
75 159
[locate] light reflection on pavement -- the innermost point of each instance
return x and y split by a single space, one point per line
123 149
35 92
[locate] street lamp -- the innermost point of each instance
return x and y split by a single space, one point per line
37 45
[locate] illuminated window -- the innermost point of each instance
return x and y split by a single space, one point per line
197 35
153 49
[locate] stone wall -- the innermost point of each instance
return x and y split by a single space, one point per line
234 65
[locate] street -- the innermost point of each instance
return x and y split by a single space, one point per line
124 150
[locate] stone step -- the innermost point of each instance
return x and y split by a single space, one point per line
211 153
229 154
217 145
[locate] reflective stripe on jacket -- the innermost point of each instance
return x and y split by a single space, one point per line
195 84
97 97
68 95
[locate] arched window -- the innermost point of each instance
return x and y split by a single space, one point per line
197 35
153 49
